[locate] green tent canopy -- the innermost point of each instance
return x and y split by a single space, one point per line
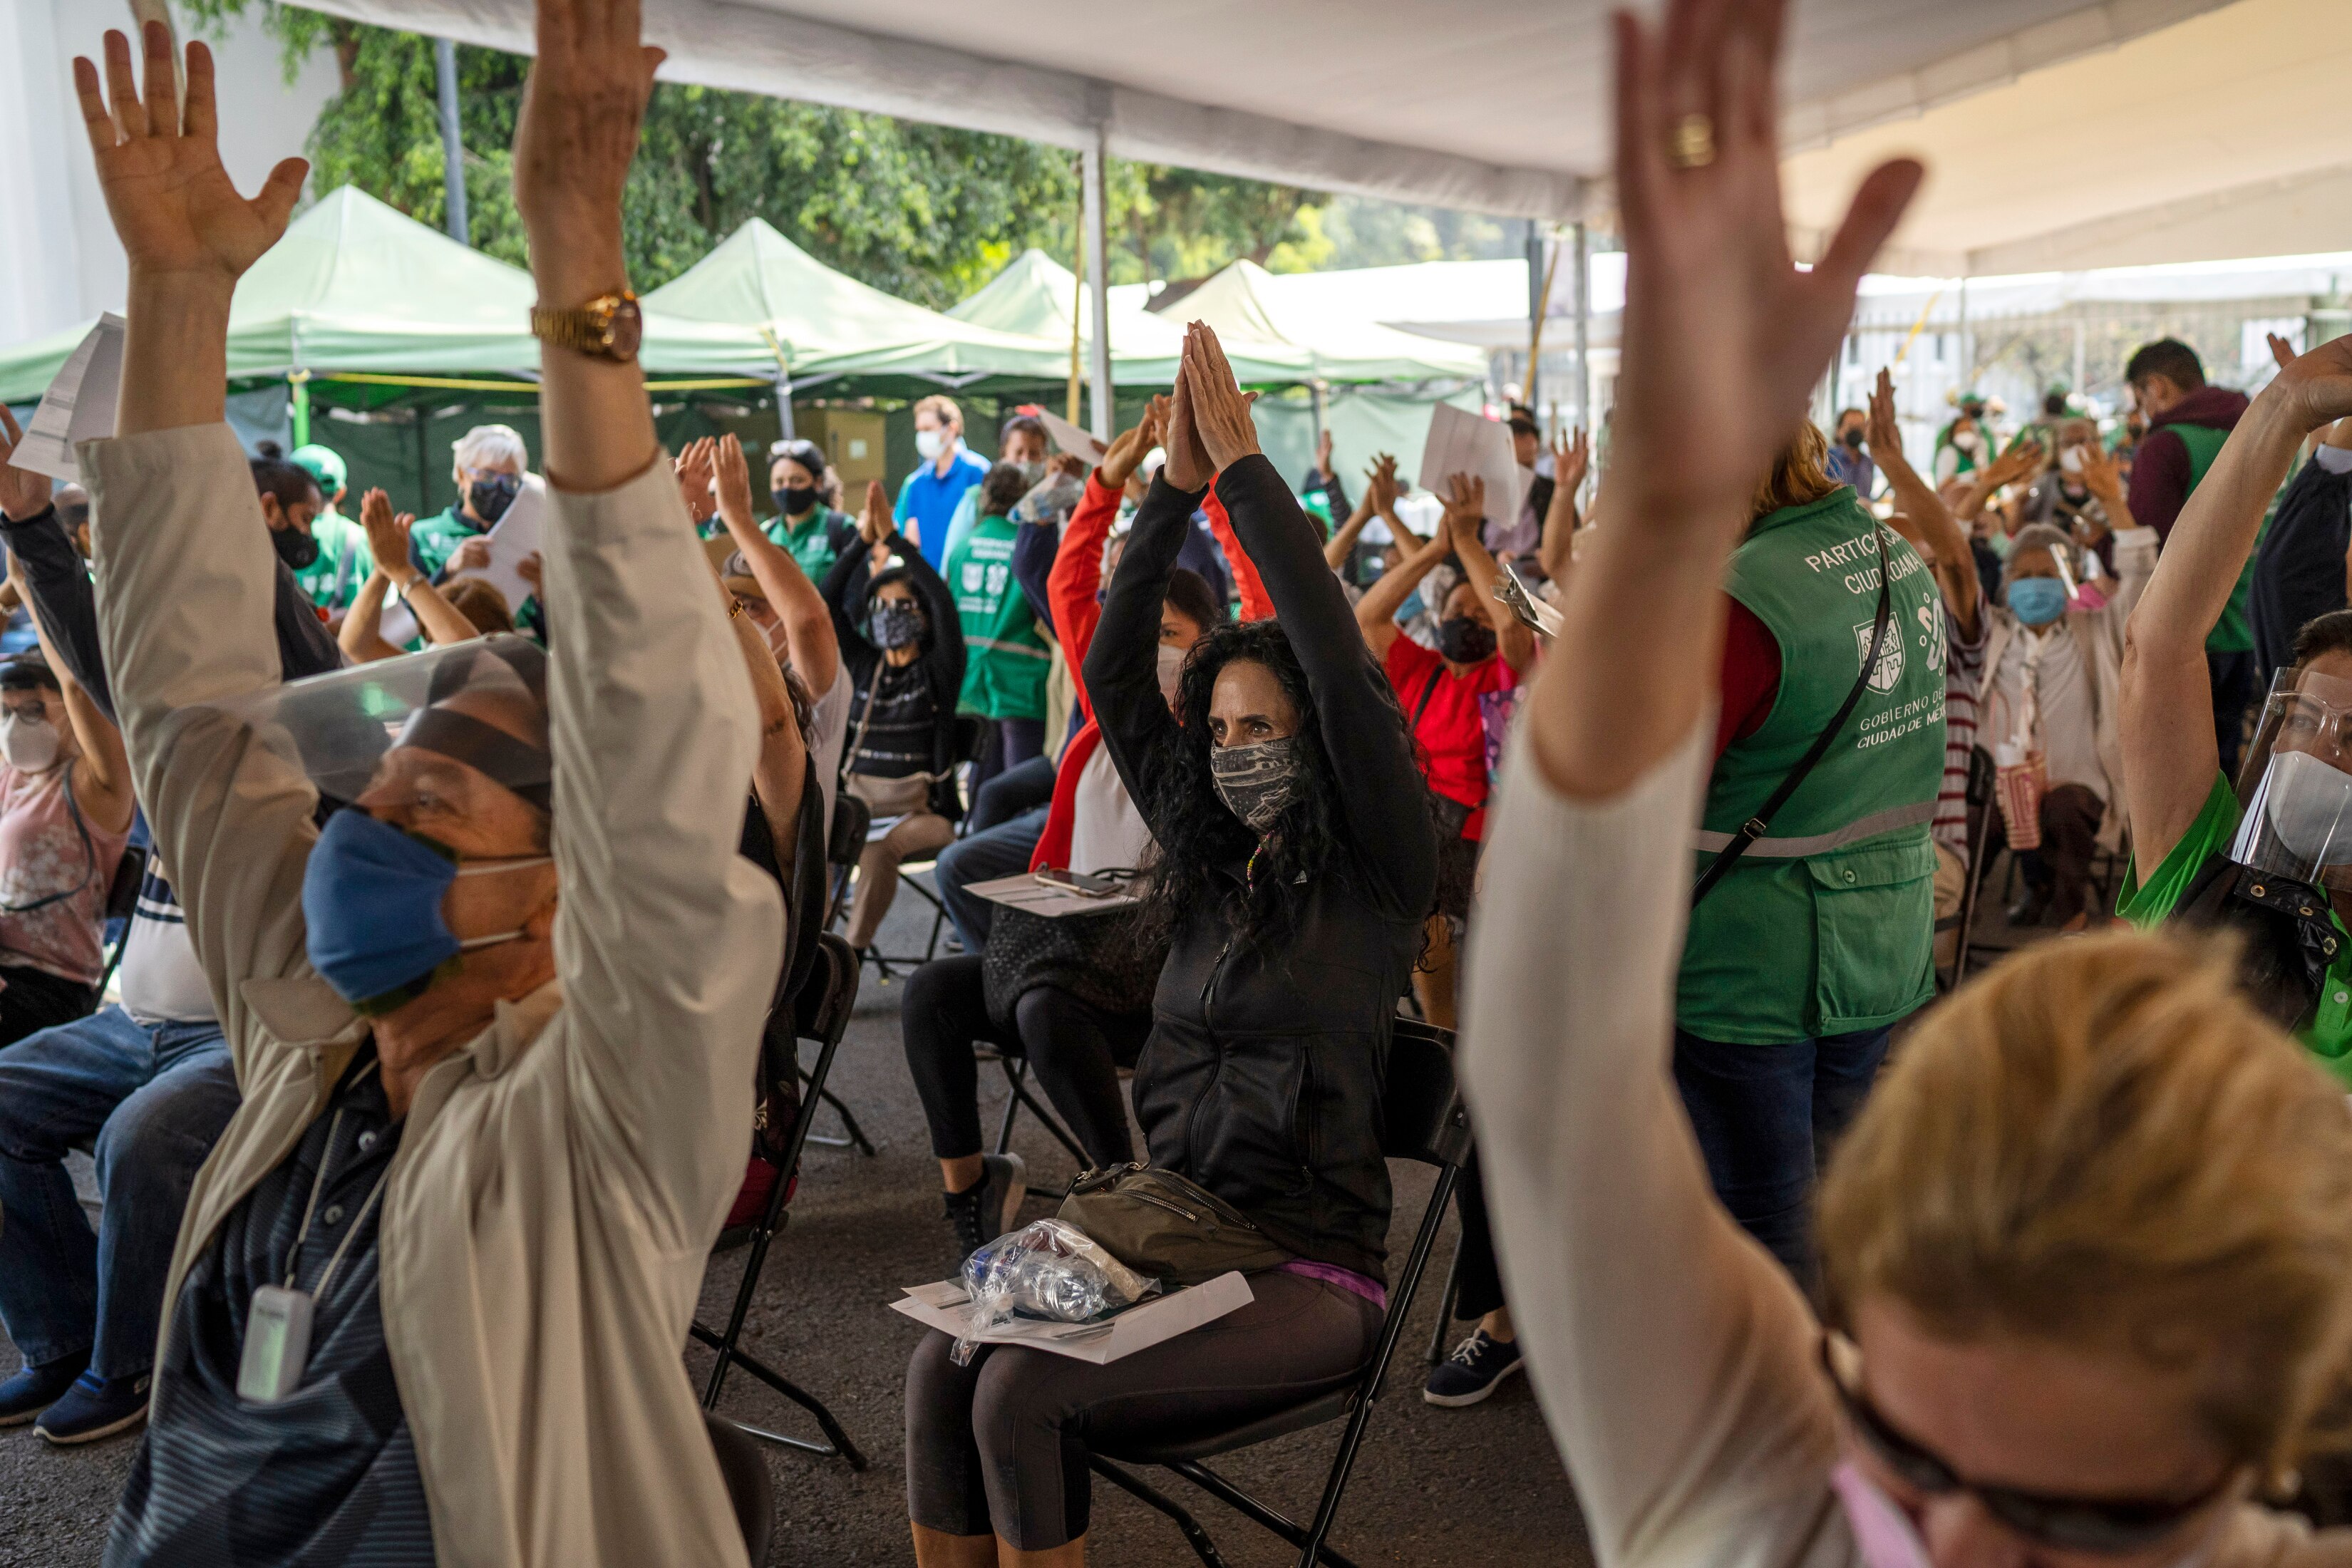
1034 294
1340 348
357 291
816 325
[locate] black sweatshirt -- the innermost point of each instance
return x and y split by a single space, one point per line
1264 1076
846 590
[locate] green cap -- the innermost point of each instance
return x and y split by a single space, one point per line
324 465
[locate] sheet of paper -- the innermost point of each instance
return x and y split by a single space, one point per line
1461 442
943 1307
79 405
514 538
1070 439
1026 892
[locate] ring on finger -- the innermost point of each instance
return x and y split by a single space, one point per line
1692 145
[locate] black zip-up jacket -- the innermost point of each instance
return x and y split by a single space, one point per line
846 590
1263 1078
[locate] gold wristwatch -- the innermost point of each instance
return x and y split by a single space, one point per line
608 327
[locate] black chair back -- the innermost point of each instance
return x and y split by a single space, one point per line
750 1488
1425 1118
971 737
826 1001
122 893
845 841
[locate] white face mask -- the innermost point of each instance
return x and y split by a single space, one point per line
1967 440
1171 671
930 444
30 744
2071 460
2309 805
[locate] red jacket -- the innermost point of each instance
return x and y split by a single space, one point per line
1071 593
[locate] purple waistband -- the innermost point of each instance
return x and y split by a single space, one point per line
1363 1285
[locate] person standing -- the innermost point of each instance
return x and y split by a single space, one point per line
333 579
1820 937
813 535
929 496
2187 423
1023 442
1850 461
1006 657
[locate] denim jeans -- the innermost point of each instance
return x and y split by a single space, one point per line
1000 851
156 1098
1766 1117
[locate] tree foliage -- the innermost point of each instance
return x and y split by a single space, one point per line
925 212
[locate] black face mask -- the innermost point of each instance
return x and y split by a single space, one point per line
797 499
492 494
1466 639
294 546
895 624
1852 438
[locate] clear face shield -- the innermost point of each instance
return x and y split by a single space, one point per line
439 740
2297 783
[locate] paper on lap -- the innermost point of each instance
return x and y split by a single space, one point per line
513 538
1461 442
80 404
945 1307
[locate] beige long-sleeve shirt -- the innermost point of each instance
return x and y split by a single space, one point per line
560 1177
1674 1360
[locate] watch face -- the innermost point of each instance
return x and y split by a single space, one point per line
626 331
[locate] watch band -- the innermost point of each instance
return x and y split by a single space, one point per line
593 328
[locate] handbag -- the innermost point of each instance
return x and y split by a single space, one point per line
2018 782
1757 825
1166 1227
1110 961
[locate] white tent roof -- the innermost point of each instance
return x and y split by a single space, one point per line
1495 105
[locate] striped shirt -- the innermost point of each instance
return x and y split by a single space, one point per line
329 1475
896 740
1963 675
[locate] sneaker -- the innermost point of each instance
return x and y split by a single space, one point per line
95 1407
1476 1369
988 1209
33 1389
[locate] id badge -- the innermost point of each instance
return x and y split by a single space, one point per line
277 1344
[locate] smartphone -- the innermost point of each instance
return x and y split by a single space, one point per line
1078 882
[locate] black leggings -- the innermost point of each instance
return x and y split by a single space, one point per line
1480 1282
1075 1049
1000 1447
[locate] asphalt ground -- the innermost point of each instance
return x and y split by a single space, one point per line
1477 1486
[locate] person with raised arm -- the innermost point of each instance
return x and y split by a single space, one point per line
390 571
1296 865
494 1021
2087 1251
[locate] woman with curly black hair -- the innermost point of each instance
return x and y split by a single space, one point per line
1297 863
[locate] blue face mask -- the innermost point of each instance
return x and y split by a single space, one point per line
371 899
2036 601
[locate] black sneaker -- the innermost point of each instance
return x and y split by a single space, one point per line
1476 1369
33 1389
989 1208
95 1407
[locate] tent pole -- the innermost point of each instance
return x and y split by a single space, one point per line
1538 300
1583 330
453 145
1097 259
784 408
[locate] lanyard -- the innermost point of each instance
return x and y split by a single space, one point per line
294 1263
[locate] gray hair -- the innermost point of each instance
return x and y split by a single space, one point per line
2045 536
490 446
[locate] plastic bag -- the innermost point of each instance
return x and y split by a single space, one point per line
1050 1269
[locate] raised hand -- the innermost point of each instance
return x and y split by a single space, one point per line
874 524
2101 476
589 82
1571 458
1188 467
2281 350
1323 454
696 468
158 164
2024 458
1465 504
23 494
2315 389
1733 335
1220 409
1381 484
1883 433
732 471
387 537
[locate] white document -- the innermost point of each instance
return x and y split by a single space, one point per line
79 405
1461 442
1071 439
1026 892
514 539
945 1307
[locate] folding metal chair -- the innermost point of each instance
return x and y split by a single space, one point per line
1426 1122
1981 813
121 902
1018 1093
823 1012
972 740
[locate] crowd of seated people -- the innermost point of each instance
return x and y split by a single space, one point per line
463 910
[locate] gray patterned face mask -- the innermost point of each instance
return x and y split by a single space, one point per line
1256 781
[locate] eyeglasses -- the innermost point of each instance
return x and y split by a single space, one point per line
2109 1526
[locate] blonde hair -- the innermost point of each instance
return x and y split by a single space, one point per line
2102 1144
941 408
1799 475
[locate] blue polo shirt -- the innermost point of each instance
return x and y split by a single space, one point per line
931 501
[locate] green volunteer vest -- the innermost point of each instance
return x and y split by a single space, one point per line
2233 633
1827 926
333 579
1005 661
809 543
